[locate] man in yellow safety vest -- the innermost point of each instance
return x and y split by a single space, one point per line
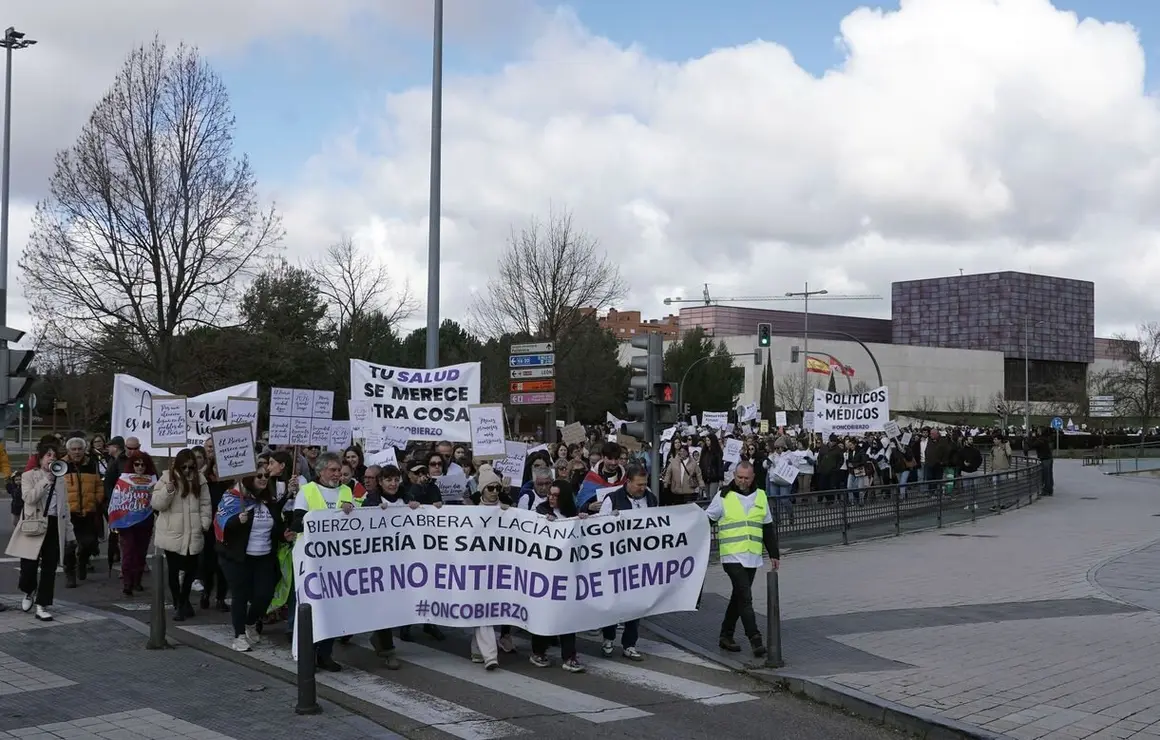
325 493
744 525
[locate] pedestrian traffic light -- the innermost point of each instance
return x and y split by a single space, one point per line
17 378
648 371
665 397
794 353
764 334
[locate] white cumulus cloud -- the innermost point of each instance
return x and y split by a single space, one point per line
973 135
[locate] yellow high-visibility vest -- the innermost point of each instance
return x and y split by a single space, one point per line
316 501
740 532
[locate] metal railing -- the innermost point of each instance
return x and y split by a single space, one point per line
823 518
1127 458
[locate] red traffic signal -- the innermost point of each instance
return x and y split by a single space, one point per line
665 392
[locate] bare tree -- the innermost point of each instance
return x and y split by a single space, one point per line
794 393
549 273
924 407
1002 407
861 387
1136 384
151 219
962 405
356 286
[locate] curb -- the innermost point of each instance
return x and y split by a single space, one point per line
914 722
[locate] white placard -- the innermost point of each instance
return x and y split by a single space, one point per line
282 402
233 447
169 421
320 432
452 487
892 430
808 421
906 439
432 405
487 442
395 437
716 419
732 451
300 431
748 412
323 407
373 441
340 437
241 410
785 470
132 411
512 466
382 458
359 413
280 430
302 403
564 577
779 419
851 413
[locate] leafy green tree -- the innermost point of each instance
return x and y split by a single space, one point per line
284 323
712 383
590 380
456 346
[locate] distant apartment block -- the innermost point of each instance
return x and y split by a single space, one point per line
627 324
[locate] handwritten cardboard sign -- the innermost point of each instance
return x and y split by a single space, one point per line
169 423
281 401
302 403
574 434
339 436
323 405
233 447
320 432
241 410
487 440
359 413
453 488
279 430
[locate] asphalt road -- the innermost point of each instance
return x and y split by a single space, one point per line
440 694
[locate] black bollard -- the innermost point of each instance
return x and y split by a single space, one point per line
773 658
307 685
157 622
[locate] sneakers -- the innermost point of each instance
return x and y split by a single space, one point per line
26 603
391 662
507 644
241 644
632 654
539 661
252 635
477 658
491 665
42 614
572 665
607 648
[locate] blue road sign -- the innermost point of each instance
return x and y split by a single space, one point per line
531 360
1057 423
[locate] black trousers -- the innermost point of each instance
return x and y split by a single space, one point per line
540 645
252 583
1047 469
213 580
180 584
40 575
740 601
87 531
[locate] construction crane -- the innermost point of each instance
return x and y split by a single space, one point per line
817 295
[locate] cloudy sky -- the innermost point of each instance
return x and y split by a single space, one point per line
750 144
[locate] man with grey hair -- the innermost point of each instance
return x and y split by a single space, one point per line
326 492
86 503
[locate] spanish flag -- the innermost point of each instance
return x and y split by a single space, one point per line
817 365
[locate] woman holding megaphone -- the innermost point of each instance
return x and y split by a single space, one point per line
43 529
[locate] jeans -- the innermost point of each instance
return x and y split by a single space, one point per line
134 544
40 575
904 478
783 497
628 639
740 601
1048 472
252 583
567 645
182 570
933 474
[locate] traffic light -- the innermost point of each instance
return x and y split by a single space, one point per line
648 372
764 334
794 353
17 378
665 399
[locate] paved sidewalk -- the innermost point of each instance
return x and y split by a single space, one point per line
57 683
1036 623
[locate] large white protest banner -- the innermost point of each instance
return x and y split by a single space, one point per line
851 413
133 410
431 405
379 568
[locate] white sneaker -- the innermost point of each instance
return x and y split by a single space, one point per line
632 654
197 586
507 644
607 647
252 635
26 603
477 658
241 644
42 614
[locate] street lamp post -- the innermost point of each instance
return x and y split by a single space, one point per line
13 40
806 329
436 190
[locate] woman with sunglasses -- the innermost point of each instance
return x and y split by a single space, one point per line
249 528
182 502
558 506
131 518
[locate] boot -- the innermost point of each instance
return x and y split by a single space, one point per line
728 644
758 646
70 578
82 568
204 600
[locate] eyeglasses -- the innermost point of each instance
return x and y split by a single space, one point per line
188 468
492 488
435 464
263 476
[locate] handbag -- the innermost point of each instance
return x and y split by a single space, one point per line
37 526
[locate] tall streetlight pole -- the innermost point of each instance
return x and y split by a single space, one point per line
805 294
13 40
436 190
